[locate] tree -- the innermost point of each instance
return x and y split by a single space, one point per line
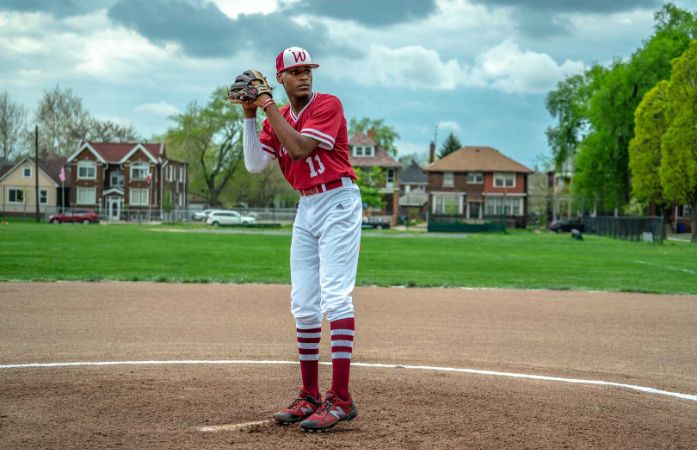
616 96
651 124
451 144
12 125
678 168
209 138
108 131
385 135
568 104
63 122
368 183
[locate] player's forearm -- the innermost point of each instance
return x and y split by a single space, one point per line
297 145
255 159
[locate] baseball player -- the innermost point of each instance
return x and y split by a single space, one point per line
309 139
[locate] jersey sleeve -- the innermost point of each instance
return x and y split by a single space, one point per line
267 138
324 122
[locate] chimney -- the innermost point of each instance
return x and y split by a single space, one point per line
432 152
371 134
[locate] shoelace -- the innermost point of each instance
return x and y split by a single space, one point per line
326 407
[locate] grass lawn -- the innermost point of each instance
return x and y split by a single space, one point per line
521 259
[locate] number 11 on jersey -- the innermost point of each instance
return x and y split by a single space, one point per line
320 166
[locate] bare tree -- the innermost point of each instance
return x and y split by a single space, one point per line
13 122
63 122
108 131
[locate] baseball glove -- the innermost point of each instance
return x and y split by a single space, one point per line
248 86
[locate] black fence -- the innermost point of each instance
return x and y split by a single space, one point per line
462 224
649 229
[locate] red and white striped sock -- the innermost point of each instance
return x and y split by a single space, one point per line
342 349
308 353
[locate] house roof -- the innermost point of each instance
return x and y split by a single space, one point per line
4 168
112 152
414 174
50 166
359 138
381 158
479 159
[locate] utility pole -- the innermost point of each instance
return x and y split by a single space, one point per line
36 169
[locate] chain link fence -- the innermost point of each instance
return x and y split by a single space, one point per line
648 229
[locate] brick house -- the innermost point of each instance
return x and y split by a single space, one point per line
126 180
478 183
364 153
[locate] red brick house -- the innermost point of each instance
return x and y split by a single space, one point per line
478 183
126 180
364 153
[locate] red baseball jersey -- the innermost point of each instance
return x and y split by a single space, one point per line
321 119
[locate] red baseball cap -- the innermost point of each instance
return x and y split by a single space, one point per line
293 57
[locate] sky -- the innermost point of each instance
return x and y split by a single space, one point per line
478 68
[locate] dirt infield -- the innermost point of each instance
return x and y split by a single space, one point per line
645 340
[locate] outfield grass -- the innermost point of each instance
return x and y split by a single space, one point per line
520 259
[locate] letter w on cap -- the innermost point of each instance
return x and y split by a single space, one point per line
299 56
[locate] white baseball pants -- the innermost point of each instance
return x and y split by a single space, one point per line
324 255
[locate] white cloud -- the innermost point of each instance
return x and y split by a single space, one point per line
233 8
449 125
161 108
508 68
413 67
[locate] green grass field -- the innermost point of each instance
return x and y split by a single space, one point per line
520 259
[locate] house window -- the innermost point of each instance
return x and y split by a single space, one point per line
43 196
504 179
475 178
27 172
447 204
15 195
139 197
181 198
369 151
390 177
504 206
139 171
357 151
117 179
86 170
181 174
448 179
169 173
86 196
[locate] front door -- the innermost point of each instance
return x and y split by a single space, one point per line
474 208
114 208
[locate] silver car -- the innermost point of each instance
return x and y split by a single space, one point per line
217 218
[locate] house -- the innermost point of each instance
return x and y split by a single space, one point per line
127 180
413 198
478 183
18 186
364 153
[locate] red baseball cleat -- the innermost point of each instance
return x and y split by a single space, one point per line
302 407
332 411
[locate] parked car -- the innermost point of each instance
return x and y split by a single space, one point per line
76 216
566 225
217 218
376 223
202 215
